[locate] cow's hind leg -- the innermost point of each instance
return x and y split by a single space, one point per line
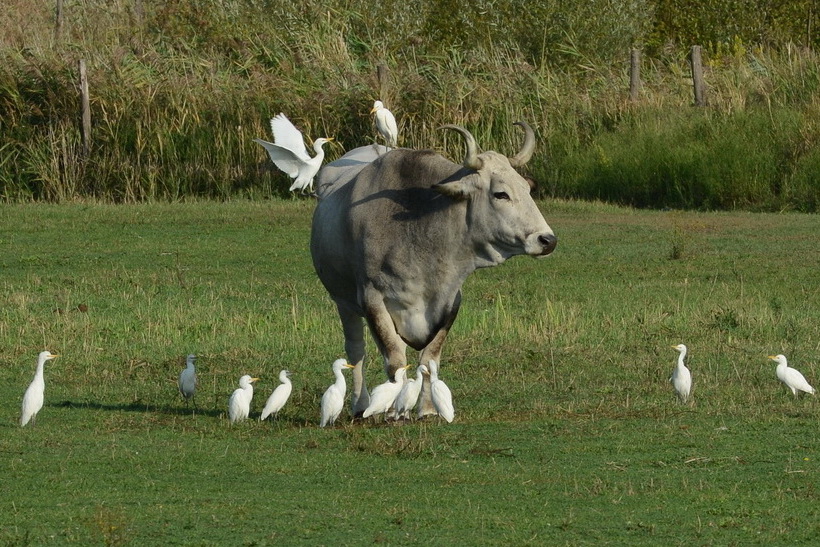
353 327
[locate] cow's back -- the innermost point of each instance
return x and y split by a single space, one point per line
339 172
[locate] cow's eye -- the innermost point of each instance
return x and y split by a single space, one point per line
501 195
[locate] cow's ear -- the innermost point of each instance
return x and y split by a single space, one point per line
456 189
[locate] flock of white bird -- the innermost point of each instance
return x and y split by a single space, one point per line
289 154
395 399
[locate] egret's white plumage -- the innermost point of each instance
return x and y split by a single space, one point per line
409 394
384 395
333 399
187 380
279 396
681 377
442 398
35 394
386 124
790 376
239 405
289 154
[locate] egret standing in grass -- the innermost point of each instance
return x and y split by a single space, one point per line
409 394
790 376
681 377
279 396
333 399
384 395
442 398
187 380
35 394
386 124
289 154
239 405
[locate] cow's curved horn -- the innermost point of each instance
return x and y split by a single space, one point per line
528 147
471 161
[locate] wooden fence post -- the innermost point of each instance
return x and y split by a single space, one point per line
383 76
634 74
138 11
697 76
58 20
85 109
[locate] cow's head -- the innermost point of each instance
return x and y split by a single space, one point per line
502 213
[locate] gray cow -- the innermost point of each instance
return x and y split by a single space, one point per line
396 233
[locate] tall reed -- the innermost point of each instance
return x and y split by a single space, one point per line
179 92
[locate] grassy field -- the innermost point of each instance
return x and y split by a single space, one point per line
566 432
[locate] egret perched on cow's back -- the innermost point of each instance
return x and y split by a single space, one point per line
333 399
35 394
187 380
279 396
386 124
289 154
239 405
409 394
790 376
384 395
442 398
681 377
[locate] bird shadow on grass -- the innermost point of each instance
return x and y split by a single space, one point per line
137 406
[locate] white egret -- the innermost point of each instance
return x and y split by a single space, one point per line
790 376
239 405
681 377
289 154
187 380
409 394
386 124
384 395
35 394
279 396
442 398
334 397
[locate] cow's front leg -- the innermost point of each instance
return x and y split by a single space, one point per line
432 352
390 344
353 328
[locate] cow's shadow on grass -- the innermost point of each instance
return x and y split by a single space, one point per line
139 406
286 420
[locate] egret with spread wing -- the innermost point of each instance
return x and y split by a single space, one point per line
289 154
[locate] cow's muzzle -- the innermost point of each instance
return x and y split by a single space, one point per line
548 243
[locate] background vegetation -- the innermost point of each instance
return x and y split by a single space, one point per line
180 88
567 430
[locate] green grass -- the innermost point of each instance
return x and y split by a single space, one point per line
566 432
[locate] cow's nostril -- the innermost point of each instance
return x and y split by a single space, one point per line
548 241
